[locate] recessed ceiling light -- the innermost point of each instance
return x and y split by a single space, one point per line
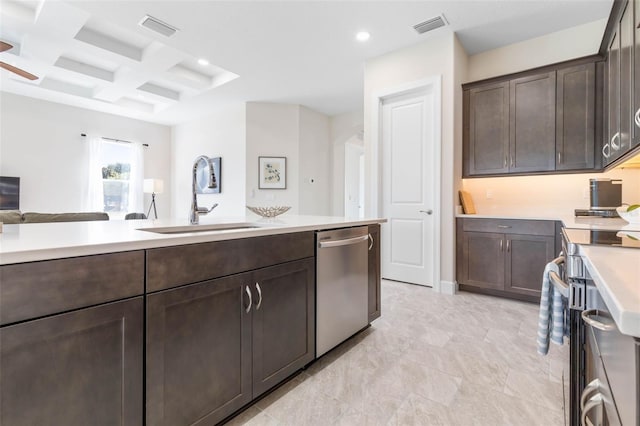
363 36
203 62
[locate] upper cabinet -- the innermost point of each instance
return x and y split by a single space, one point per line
622 110
531 122
488 142
575 118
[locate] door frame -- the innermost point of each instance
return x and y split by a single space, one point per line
415 87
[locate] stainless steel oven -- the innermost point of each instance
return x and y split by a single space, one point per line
602 390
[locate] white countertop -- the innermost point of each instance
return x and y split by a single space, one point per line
567 218
42 241
615 271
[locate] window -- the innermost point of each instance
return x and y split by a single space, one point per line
115 177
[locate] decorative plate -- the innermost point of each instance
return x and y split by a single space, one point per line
269 211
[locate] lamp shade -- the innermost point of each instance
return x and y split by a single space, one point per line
153 186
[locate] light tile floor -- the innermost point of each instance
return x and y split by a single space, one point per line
431 359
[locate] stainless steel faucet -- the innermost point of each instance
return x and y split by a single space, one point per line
194 215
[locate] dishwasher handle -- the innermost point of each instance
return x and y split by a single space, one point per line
345 242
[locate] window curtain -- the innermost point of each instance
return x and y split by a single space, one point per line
94 198
136 196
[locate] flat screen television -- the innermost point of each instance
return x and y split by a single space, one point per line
9 193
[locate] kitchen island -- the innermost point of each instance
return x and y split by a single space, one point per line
157 322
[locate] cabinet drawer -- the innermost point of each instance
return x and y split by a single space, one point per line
173 266
510 226
31 290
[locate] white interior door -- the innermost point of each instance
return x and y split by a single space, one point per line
408 135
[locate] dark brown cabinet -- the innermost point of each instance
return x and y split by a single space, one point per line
575 117
283 322
504 257
198 359
488 129
374 273
532 123
623 76
213 346
71 342
78 368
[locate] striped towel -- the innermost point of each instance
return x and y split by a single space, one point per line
552 321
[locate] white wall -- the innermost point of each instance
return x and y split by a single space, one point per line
273 131
40 142
220 134
572 43
433 57
315 163
342 128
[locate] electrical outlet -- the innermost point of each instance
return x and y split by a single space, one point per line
489 194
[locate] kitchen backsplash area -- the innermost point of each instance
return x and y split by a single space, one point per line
544 195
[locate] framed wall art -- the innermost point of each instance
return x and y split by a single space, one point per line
272 173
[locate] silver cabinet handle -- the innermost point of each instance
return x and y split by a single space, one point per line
511 162
505 161
586 317
504 226
637 117
508 245
259 295
248 308
371 244
427 211
345 242
606 148
614 145
588 390
593 402
559 158
500 245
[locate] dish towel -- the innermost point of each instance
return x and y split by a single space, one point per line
552 321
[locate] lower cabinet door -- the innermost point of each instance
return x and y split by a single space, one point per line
483 257
198 352
283 322
79 368
526 258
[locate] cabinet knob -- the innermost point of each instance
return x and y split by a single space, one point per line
606 151
615 145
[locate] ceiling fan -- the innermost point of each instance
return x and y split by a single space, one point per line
22 73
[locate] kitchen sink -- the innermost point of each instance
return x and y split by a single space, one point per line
199 228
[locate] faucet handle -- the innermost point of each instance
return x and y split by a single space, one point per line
212 207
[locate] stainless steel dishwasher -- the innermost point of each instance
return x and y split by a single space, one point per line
341 285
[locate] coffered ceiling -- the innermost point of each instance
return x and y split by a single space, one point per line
94 54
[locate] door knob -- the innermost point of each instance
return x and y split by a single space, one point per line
426 211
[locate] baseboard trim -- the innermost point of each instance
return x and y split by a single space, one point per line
448 287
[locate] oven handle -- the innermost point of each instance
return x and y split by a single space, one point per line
592 386
593 402
555 279
586 317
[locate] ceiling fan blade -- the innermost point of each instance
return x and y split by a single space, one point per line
20 72
5 46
